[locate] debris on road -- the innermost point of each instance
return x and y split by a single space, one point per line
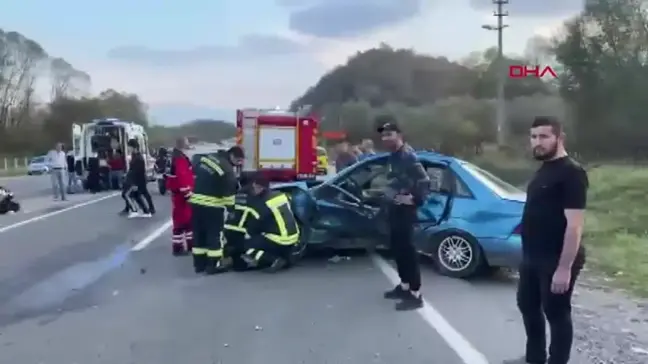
337 259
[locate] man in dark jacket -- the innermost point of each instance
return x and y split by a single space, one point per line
214 192
135 190
345 157
408 189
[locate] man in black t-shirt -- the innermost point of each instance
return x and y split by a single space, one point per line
552 225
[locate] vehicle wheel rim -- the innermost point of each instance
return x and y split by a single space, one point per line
455 253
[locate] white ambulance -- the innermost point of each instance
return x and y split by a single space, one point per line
96 137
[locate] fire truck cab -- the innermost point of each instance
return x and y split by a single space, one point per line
280 143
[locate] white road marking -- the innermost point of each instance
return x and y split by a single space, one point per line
54 213
464 349
152 236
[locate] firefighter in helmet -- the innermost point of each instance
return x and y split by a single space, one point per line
214 191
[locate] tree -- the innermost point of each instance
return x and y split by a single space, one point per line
19 57
605 77
66 80
207 130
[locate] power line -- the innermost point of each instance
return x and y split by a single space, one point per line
500 69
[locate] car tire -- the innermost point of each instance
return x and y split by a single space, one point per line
450 243
30 173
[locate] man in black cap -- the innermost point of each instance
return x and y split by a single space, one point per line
214 192
409 187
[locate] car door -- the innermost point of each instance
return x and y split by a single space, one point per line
342 212
435 211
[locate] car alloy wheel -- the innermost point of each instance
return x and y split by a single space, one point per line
455 253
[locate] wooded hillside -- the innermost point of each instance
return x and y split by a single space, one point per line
207 130
599 93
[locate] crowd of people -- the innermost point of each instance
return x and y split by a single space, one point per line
223 223
347 154
226 225
67 173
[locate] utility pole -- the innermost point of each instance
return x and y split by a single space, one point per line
500 69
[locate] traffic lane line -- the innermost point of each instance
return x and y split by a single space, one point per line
455 340
81 234
315 313
37 206
57 212
475 304
40 274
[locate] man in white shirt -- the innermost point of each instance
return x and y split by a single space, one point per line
57 162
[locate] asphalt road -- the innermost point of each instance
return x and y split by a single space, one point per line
28 186
79 284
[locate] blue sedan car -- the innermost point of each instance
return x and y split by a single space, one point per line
471 221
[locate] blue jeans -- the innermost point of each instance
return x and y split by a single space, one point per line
73 183
117 176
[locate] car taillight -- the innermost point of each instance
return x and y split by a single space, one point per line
518 230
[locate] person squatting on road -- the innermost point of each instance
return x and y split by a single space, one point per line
409 188
180 181
235 228
135 189
273 233
214 191
552 256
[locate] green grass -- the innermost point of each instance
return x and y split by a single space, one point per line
13 172
616 229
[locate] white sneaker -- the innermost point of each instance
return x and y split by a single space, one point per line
133 215
146 215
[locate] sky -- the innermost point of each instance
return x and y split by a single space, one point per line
203 59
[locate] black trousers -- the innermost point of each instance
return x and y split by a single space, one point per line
127 195
207 225
536 302
266 251
134 197
234 248
143 192
402 220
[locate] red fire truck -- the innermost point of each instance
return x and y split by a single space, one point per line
280 143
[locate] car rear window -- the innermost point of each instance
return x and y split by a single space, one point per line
496 184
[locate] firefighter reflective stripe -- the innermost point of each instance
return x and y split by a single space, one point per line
211 201
218 253
255 253
240 227
212 164
235 228
198 251
275 205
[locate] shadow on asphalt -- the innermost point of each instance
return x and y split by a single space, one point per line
491 277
